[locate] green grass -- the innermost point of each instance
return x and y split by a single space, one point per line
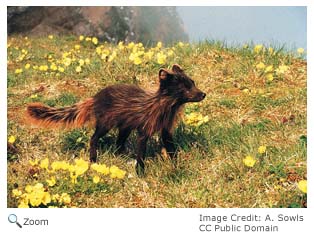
244 109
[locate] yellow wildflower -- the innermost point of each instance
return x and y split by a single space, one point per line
180 44
53 67
11 139
103 169
258 48
300 50
43 68
249 161
282 69
195 119
23 204
51 182
95 40
88 39
50 36
60 69
137 61
77 47
78 69
18 71
96 179
302 185
115 172
81 62
33 163
46 198
269 77
260 66
81 38
44 163
33 96
16 192
65 198
268 69
81 166
262 149
159 45
161 58
27 66
87 61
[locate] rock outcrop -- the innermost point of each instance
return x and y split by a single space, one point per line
112 24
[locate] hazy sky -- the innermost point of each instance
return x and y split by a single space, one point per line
269 25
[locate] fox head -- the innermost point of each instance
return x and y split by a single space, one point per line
178 85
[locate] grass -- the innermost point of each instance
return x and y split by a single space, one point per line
246 107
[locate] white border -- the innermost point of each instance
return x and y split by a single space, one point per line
153 221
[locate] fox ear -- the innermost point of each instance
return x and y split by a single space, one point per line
164 73
176 68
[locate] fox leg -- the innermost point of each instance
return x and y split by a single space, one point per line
141 151
99 132
122 137
167 140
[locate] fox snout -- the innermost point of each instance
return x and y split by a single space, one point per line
198 96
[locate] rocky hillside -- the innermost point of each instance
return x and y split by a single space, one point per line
112 24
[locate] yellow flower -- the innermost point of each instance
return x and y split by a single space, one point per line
78 69
87 61
34 96
23 205
81 166
195 119
16 192
53 67
159 45
180 44
65 198
130 45
67 61
81 62
27 66
50 36
268 69
44 163
11 139
120 46
302 185
18 71
282 69
258 48
46 198
28 188
77 47
60 69
33 163
43 68
81 38
88 39
51 182
300 50
137 61
262 149
103 169
115 172
161 58
249 161
95 40
96 179
59 165
260 66
269 77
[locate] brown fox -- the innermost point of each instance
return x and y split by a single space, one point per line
127 107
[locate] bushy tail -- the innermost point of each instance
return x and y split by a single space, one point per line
75 116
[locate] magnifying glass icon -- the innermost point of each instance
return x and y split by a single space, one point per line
13 219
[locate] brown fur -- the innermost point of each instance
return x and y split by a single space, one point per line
127 107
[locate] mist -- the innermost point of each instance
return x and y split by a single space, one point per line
276 26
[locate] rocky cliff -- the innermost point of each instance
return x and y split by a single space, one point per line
112 24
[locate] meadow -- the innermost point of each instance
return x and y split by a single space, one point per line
244 145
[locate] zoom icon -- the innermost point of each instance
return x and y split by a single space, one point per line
12 218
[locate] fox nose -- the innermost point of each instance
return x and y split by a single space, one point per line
203 95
